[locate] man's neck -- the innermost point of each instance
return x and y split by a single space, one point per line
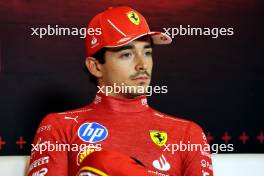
125 95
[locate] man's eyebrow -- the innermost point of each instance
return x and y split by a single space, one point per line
125 47
148 46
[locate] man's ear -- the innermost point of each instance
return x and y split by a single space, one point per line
94 67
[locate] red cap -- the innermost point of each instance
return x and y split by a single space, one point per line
119 26
109 163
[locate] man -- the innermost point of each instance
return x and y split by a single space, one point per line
123 121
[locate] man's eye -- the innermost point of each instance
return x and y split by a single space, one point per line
126 55
148 53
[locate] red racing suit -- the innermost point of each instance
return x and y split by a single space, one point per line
128 126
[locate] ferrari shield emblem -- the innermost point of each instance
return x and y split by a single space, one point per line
133 17
159 137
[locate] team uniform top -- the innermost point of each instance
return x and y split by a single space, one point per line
128 126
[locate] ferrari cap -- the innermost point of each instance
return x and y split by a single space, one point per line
110 163
119 26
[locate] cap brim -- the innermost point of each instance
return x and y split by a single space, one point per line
158 38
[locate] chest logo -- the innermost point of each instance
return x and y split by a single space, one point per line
158 137
92 132
72 118
161 164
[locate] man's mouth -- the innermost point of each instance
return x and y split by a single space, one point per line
140 78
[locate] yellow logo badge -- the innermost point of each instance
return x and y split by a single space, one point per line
133 17
159 137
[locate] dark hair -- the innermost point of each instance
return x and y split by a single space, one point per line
100 56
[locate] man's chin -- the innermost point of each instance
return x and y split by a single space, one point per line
132 90
134 94
139 90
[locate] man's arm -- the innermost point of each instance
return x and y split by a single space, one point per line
47 161
197 162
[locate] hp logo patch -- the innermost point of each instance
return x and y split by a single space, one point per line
92 132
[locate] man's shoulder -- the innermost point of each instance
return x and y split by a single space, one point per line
166 117
80 110
177 121
66 116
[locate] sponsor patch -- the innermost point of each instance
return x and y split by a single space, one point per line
39 162
44 128
92 132
161 164
158 137
41 172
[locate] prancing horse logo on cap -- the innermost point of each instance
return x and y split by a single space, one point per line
133 17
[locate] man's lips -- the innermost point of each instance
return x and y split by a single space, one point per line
141 78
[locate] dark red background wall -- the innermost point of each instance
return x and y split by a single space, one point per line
217 83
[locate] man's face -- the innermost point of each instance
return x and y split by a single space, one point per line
128 65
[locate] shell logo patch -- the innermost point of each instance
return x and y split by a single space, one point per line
159 137
133 17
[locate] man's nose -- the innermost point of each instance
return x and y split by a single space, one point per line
141 63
